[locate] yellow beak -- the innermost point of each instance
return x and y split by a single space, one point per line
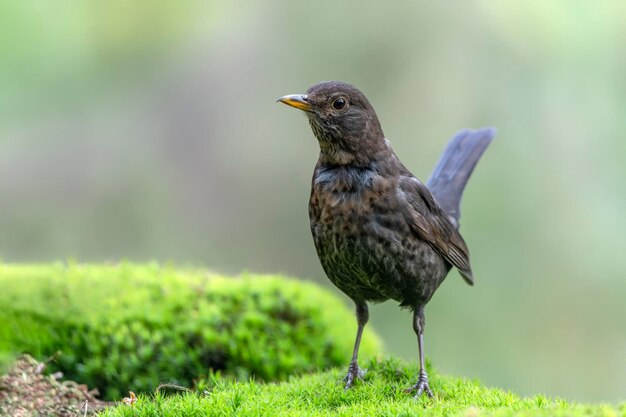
299 101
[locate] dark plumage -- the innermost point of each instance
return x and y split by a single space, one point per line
379 232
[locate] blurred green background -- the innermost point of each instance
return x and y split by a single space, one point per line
141 130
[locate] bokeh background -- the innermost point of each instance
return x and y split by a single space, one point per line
149 131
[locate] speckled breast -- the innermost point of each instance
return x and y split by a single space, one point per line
364 244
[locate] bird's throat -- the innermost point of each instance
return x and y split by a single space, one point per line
333 155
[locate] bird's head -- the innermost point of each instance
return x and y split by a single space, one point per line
343 121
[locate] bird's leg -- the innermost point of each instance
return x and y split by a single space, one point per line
422 381
354 373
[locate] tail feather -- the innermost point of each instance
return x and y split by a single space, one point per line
455 166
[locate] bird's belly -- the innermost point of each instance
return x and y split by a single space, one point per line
374 256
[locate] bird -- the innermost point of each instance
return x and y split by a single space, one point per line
380 233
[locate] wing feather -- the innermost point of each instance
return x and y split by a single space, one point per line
432 225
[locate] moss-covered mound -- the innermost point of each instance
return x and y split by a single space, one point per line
380 394
130 327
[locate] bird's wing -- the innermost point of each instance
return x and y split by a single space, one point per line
432 225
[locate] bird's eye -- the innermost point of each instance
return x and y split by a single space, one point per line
339 103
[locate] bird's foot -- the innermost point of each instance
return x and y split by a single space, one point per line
421 386
354 373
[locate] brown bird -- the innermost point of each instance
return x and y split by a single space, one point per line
379 232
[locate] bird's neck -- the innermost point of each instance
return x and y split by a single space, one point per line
336 156
365 156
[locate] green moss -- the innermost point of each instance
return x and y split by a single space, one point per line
130 327
380 394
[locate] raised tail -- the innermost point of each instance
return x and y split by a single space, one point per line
455 166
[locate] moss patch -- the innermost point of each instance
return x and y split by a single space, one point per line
130 327
380 394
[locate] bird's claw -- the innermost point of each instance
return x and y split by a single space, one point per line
354 373
421 386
